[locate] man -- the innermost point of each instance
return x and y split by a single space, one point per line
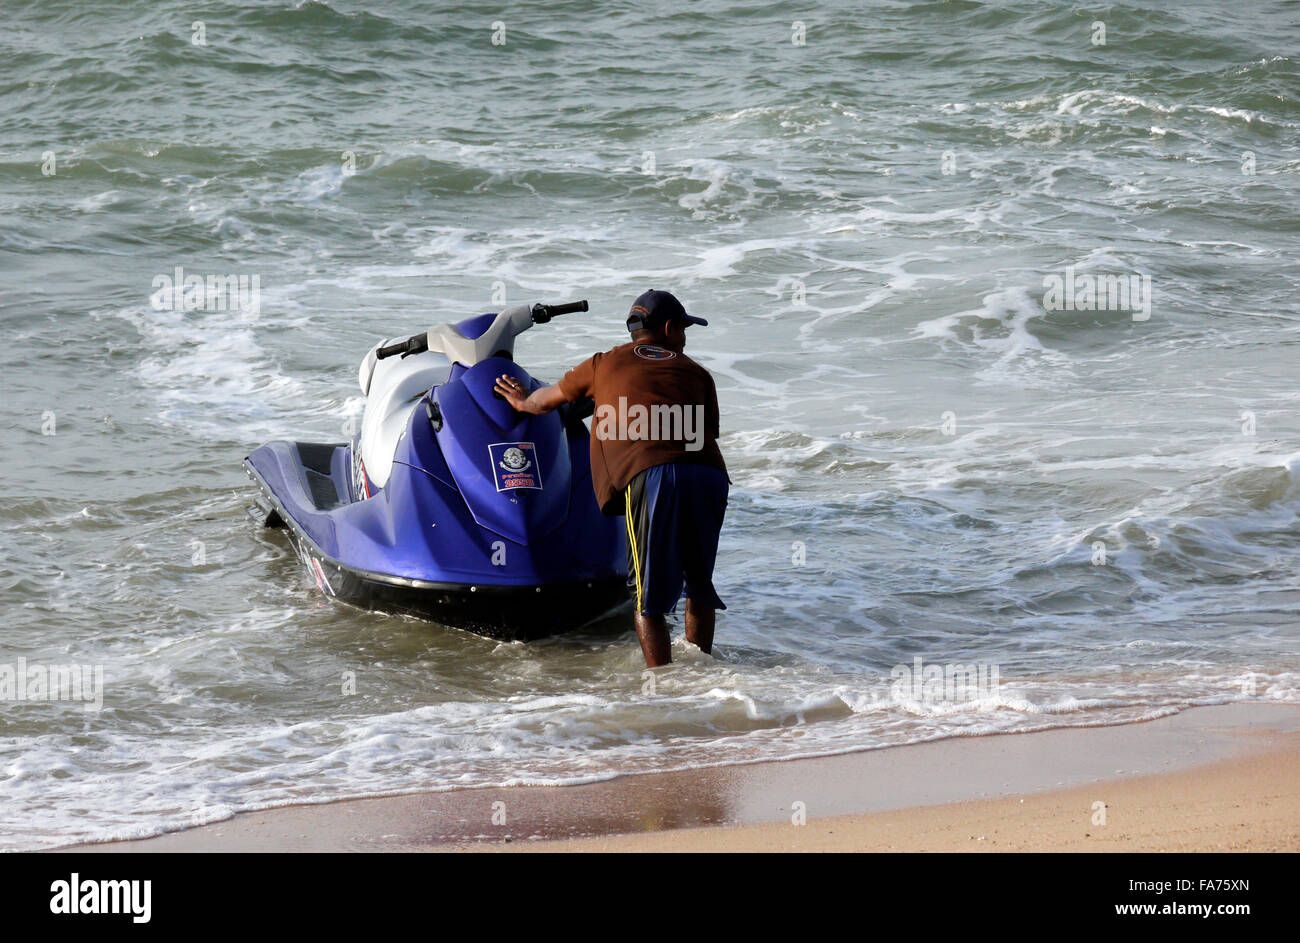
655 458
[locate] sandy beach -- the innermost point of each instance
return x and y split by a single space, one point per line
1208 779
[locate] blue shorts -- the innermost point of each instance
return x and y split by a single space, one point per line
674 515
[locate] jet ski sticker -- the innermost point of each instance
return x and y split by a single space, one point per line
322 583
514 465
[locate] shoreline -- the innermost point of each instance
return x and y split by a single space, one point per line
904 798
1247 804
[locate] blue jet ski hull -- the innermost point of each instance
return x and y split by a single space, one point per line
445 540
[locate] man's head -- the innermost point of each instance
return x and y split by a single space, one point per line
657 317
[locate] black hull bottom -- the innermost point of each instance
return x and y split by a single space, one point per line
506 613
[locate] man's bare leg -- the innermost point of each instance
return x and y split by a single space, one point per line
699 626
652 632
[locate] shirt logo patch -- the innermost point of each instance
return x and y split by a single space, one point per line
651 352
514 465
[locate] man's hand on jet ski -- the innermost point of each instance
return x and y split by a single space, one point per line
541 400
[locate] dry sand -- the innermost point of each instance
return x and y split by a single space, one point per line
1208 779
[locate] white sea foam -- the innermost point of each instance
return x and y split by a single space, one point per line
998 326
209 371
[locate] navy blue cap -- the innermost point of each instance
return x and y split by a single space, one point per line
654 308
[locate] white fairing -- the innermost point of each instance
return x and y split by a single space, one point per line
392 389
394 385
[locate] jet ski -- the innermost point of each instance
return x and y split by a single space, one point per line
448 504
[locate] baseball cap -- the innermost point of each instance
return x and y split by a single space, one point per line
654 308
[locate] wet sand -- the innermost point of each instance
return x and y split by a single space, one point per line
1208 779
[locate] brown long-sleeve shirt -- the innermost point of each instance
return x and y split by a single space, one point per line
653 406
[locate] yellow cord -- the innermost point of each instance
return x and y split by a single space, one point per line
636 557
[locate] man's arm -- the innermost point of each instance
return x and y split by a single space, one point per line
541 400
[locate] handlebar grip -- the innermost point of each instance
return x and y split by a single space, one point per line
543 313
417 344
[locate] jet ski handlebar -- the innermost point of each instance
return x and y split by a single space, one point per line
419 343
543 313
